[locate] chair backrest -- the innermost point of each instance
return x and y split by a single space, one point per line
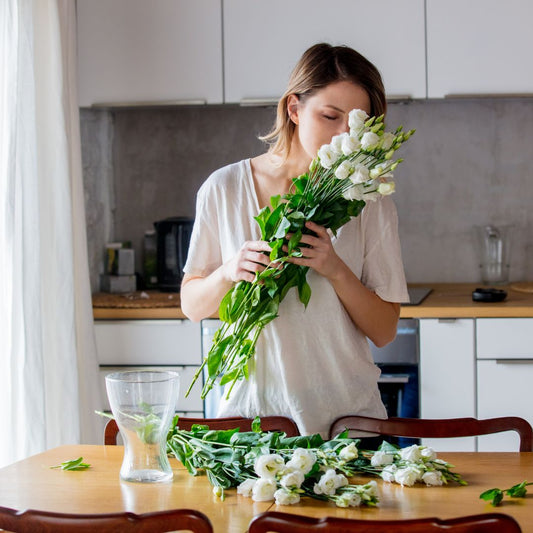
291 523
177 519
436 428
268 423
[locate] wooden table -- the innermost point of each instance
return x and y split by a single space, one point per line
32 484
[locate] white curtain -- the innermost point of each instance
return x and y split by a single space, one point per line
48 369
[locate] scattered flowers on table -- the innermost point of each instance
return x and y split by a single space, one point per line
268 466
355 167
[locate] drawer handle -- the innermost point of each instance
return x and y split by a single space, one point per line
514 361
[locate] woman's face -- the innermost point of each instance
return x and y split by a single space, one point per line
324 114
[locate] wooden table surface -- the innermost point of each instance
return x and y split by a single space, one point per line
31 484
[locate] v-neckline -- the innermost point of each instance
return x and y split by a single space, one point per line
251 184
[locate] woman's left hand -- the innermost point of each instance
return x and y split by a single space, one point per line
319 253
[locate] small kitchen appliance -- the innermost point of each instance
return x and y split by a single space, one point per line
173 237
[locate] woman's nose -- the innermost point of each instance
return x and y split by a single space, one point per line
344 128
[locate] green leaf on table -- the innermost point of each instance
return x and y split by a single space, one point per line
73 465
495 496
518 491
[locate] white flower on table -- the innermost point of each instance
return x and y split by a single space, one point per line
349 453
429 454
293 478
407 476
348 499
302 460
381 458
268 465
286 497
264 489
432 478
246 487
387 474
411 453
329 483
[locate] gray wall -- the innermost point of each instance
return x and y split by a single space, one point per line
467 164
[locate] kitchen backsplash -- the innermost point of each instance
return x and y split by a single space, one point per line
468 164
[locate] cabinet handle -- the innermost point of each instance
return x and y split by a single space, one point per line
514 361
151 103
447 320
259 102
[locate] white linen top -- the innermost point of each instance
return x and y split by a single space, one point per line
311 364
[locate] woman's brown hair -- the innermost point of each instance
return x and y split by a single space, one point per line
319 66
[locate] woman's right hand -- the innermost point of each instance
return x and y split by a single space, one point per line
251 258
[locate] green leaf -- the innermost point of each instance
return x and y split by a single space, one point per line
283 226
261 219
304 292
73 465
256 425
518 491
293 241
275 200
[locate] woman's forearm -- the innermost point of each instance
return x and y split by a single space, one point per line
376 318
201 297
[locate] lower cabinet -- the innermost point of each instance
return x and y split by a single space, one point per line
152 345
447 376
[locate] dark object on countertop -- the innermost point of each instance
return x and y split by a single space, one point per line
417 295
488 295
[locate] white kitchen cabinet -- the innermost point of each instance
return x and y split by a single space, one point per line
152 344
504 375
479 47
263 41
447 376
135 51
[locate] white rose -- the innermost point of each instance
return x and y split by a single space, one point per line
268 465
378 170
411 453
381 458
386 188
350 452
246 487
407 476
264 489
353 193
302 460
369 140
387 474
356 119
329 483
360 174
294 478
350 145
428 453
337 142
286 497
327 156
386 140
344 170
432 478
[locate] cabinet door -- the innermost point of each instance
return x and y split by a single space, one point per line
479 47
134 51
447 376
264 40
504 390
504 338
148 342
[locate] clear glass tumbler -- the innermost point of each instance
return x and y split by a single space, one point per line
143 404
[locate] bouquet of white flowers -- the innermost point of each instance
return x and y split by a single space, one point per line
354 168
271 466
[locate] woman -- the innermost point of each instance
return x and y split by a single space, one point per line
311 364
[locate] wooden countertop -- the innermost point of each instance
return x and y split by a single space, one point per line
447 300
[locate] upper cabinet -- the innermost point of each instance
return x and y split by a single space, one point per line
264 39
157 51
479 47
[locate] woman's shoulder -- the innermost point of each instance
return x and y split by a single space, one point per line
228 174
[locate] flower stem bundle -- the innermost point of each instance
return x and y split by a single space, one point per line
354 168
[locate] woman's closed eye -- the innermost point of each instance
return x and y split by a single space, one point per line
329 117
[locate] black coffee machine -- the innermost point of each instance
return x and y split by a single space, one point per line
173 237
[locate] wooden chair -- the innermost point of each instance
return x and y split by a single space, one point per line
31 521
268 423
291 523
436 428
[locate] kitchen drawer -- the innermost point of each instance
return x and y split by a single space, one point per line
504 338
148 342
186 406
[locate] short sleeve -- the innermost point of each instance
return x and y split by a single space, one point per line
204 254
383 270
